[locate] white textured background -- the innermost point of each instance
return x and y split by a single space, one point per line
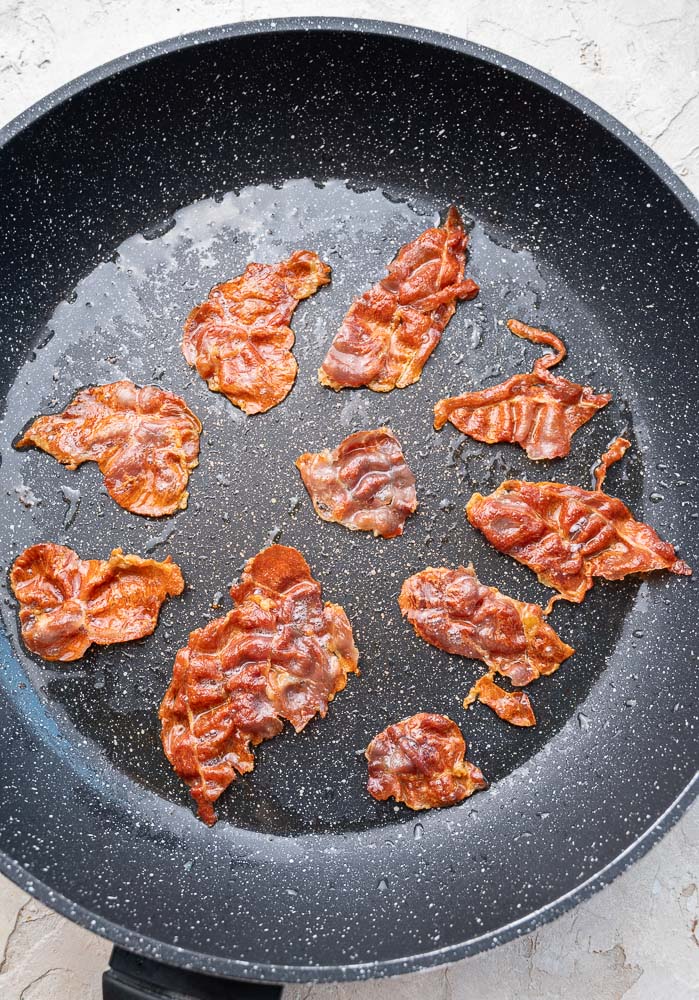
639 938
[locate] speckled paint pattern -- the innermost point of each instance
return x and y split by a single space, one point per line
300 841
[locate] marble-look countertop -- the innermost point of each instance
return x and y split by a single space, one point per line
638 938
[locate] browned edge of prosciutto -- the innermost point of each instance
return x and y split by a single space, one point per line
144 440
239 339
512 706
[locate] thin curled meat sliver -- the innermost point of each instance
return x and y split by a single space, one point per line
614 453
145 442
66 603
365 483
390 331
512 706
240 341
539 411
421 761
453 610
280 654
569 535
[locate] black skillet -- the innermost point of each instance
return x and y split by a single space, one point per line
576 226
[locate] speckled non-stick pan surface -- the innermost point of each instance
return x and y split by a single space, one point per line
123 199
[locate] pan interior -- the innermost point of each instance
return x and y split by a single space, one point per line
124 320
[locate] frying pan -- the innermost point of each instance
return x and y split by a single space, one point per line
124 197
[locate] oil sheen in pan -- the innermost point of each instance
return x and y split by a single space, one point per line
124 320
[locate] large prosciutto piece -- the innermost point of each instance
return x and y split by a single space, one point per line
145 442
67 603
453 610
240 341
280 654
365 483
391 330
539 411
420 761
569 535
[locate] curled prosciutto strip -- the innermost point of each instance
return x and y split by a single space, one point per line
539 411
365 483
453 610
569 535
512 706
240 341
420 761
145 442
280 654
67 603
391 330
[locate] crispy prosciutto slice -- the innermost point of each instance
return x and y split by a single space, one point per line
569 535
280 654
145 442
391 330
239 339
66 603
539 411
365 483
453 610
512 706
420 761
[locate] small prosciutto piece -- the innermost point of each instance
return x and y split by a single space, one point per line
391 330
539 411
239 339
453 610
512 706
420 761
280 654
67 603
569 535
145 442
365 483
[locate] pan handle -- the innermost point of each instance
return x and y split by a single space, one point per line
131 977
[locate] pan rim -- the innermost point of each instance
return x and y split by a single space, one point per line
269 972
226 968
359 26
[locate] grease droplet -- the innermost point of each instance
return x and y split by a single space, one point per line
72 498
153 543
